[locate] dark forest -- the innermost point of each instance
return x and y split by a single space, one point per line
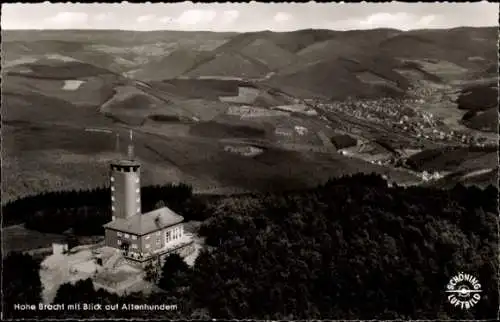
352 248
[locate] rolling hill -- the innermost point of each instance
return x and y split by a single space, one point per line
171 66
486 121
345 44
478 97
191 96
337 79
229 65
269 54
456 45
166 55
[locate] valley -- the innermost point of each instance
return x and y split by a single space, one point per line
263 111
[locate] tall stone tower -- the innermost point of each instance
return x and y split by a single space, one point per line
125 185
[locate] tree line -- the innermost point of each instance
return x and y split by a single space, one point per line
352 248
85 211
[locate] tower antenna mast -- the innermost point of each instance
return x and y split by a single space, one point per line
117 143
131 147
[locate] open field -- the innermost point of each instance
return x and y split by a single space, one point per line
245 111
227 130
57 69
442 70
209 89
91 91
17 238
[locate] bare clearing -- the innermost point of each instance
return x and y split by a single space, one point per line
247 151
19 61
87 91
296 108
246 95
72 85
61 58
202 109
477 172
80 263
441 68
121 93
412 74
246 111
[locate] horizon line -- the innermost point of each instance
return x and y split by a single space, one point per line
248 31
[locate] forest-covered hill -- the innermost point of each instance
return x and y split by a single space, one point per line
352 248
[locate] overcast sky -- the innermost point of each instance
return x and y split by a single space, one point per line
248 16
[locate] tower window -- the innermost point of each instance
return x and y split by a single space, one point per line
112 198
136 180
112 208
138 200
138 209
137 190
112 179
112 188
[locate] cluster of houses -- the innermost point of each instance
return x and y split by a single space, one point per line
427 176
398 114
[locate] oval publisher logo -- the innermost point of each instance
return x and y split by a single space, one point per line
464 291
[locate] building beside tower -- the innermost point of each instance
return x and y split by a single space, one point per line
141 237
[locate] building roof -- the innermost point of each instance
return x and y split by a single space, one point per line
142 224
124 162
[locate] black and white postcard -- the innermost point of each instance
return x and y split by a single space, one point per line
286 161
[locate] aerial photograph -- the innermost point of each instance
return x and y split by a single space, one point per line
263 161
